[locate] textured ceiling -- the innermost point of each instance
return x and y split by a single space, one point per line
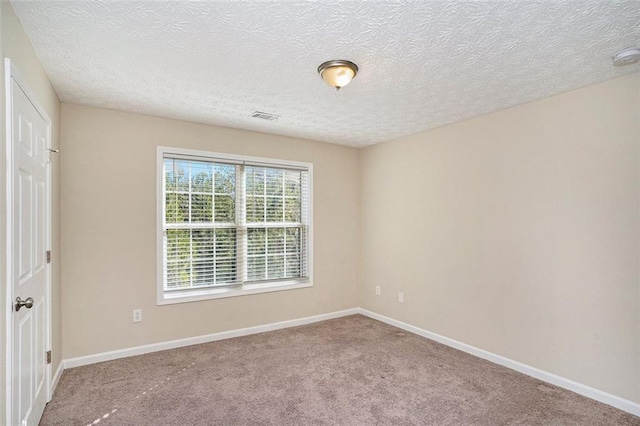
422 64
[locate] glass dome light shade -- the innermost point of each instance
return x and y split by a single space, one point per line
338 73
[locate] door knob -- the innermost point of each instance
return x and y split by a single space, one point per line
28 303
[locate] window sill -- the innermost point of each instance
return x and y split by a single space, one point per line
169 298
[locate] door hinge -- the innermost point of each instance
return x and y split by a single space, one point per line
48 256
48 357
52 151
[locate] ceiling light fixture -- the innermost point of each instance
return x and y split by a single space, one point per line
626 56
338 73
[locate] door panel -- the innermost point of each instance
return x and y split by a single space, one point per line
39 322
39 226
30 276
24 200
24 365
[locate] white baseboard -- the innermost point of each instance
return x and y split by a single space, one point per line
579 388
155 347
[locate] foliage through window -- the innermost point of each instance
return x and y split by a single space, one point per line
229 223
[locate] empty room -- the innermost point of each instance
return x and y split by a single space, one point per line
326 212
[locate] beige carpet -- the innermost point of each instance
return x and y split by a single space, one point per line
348 371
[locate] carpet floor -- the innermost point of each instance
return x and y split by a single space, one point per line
347 371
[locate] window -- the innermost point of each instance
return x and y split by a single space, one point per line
231 225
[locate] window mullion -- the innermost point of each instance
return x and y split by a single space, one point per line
215 255
266 254
264 220
192 269
241 230
213 219
282 217
304 218
264 195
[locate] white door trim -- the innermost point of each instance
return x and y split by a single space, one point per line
11 73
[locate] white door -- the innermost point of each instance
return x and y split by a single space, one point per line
29 269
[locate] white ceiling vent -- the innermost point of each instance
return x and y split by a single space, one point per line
264 116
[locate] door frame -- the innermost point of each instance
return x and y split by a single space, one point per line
11 73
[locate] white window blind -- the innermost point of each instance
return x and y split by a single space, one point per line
276 201
228 223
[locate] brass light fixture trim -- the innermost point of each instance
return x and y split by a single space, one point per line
338 72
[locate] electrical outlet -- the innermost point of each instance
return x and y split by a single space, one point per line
401 297
137 315
377 290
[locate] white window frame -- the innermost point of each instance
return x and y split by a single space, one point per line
192 295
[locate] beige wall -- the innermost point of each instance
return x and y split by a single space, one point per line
109 231
16 46
525 240
516 232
